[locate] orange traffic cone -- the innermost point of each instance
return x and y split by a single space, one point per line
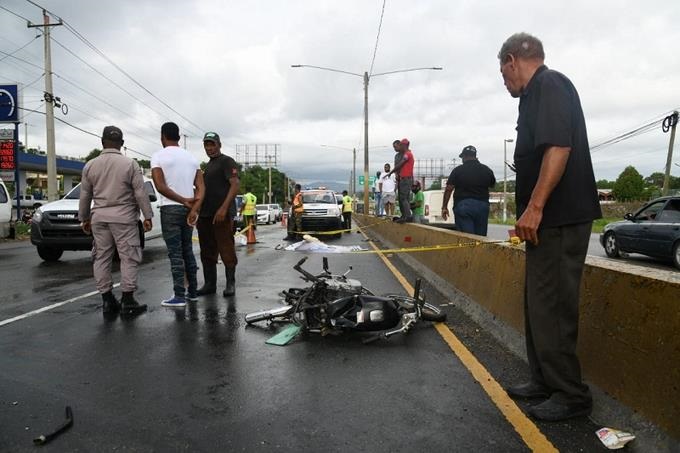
250 236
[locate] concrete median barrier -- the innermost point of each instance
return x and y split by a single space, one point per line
629 332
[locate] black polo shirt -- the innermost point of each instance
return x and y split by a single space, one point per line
471 180
216 177
550 114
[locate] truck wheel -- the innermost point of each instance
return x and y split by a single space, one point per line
49 254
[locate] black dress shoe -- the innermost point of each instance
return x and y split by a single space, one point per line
553 411
529 390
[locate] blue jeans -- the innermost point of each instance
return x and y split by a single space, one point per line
177 235
471 216
378 204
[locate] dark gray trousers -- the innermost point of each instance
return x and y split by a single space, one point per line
551 301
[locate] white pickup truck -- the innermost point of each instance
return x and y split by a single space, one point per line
55 226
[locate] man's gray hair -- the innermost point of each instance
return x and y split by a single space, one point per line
522 45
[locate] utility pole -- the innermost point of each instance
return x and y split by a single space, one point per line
366 79
52 189
185 141
269 161
670 122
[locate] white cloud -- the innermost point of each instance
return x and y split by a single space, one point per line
225 65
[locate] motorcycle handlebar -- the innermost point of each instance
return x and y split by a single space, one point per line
305 275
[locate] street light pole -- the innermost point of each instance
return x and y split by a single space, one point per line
505 177
366 78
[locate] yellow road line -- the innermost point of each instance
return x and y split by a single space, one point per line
528 431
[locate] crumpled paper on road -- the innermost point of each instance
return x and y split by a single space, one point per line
314 245
614 439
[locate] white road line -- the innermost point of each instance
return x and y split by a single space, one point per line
49 307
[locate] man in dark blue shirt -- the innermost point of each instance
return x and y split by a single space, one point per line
557 202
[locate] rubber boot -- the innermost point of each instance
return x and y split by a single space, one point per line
129 306
209 279
230 290
110 304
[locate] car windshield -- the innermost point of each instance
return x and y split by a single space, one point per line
261 207
74 194
318 197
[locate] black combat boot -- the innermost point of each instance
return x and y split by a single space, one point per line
110 305
230 290
129 306
209 279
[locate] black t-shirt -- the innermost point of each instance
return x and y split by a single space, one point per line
471 180
216 177
550 114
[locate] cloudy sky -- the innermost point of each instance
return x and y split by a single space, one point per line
226 66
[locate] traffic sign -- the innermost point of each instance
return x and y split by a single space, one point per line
371 180
9 104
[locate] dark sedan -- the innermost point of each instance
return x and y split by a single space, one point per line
654 230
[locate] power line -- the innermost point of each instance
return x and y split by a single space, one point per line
377 38
127 148
107 78
101 54
21 59
20 48
85 41
16 14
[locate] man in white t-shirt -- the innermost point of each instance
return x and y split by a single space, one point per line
387 186
177 176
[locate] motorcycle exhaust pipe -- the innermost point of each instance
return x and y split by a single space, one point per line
268 314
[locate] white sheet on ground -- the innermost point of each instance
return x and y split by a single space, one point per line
314 245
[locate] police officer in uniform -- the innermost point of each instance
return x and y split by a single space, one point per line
111 195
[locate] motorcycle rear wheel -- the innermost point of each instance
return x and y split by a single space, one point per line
429 311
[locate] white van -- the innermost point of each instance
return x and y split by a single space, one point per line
5 210
433 207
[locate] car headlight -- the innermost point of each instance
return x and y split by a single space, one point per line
37 216
334 211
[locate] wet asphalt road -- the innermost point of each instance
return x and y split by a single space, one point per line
200 380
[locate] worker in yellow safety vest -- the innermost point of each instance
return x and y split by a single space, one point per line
346 211
248 210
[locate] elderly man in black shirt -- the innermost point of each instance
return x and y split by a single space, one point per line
557 202
471 182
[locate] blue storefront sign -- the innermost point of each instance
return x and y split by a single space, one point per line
9 104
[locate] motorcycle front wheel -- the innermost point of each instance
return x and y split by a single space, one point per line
429 311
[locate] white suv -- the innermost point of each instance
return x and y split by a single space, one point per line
323 212
55 226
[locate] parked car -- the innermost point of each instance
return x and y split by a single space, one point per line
55 226
277 211
654 230
28 201
264 214
323 212
5 210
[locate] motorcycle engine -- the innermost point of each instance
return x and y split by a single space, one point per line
335 289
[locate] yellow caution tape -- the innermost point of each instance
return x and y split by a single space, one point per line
436 248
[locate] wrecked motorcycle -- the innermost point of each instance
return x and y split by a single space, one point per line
336 303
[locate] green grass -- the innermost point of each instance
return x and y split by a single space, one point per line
599 224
